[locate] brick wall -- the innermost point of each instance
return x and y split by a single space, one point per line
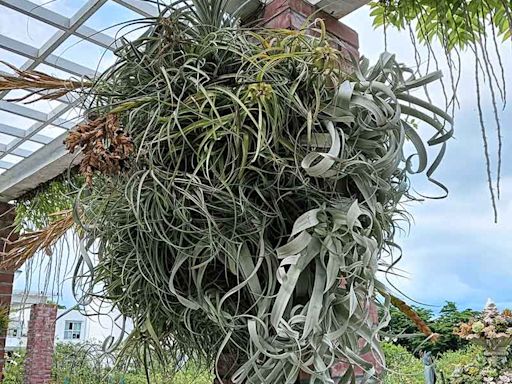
41 336
292 14
6 277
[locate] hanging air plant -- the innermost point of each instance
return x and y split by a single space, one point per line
243 192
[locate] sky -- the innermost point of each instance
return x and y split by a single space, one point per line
453 250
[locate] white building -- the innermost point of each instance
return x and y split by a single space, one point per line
71 326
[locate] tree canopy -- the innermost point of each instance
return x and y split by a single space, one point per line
442 324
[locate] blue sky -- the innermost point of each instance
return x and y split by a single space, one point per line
453 250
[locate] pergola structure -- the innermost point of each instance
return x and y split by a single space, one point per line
66 42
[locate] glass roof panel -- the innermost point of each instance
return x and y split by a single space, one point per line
52 131
13 159
16 121
31 146
87 54
12 59
115 20
64 7
5 139
32 101
53 71
23 28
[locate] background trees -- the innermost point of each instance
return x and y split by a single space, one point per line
443 324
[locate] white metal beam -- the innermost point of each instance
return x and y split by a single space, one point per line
55 61
43 165
56 20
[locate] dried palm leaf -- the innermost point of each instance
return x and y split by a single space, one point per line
28 244
414 317
35 81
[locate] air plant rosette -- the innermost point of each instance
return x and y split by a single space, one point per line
243 190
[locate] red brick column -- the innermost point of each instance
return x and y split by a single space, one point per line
41 338
292 14
6 277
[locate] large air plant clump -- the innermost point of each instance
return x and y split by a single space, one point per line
260 197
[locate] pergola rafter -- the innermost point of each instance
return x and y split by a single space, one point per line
50 159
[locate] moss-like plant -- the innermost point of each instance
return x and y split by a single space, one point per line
4 319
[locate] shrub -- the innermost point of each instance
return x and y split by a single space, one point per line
14 368
80 364
451 361
402 366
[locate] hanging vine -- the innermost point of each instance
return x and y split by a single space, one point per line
461 25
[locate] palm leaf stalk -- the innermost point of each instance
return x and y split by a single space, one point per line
259 199
35 82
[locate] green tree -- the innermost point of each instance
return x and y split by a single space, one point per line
449 317
403 328
443 324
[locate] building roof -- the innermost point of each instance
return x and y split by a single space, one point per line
63 38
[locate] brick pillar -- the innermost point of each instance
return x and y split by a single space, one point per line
292 14
40 342
6 277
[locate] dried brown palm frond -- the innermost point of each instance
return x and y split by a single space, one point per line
407 310
35 81
106 147
28 244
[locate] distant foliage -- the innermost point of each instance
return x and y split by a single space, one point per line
36 209
75 364
449 318
456 23
405 368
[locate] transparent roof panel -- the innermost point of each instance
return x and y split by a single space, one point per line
52 131
12 119
63 38
23 28
12 59
64 7
13 159
31 100
115 20
92 56
30 146
5 140
45 68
